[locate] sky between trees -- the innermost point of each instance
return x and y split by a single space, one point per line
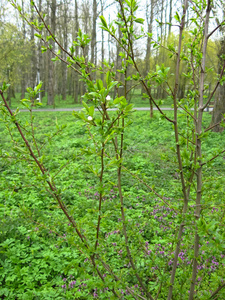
24 61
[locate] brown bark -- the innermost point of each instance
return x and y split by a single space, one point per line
109 44
23 79
219 105
199 154
51 77
118 66
178 150
10 95
40 57
74 76
170 15
148 48
65 44
102 49
93 37
33 55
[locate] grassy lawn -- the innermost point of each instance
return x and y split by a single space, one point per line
135 99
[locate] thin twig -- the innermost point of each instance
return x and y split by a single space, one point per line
215 29
214 125
57 173
42 169
141 80
33 135
216 86
195 9
150 188
52 35
119 154
193 117
217 290
212 158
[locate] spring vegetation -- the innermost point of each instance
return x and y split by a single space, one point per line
115 204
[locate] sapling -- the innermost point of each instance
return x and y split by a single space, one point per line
145 268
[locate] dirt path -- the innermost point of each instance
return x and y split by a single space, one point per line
110 109
79 108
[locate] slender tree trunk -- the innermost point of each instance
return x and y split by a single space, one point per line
33 76
199 154
170 16
178 151
102 50
161 19
40 57
148 48
219 105
85 50
118 65
9 95
76 81
65 42
109 45
47 57
51 81
93 38
23 71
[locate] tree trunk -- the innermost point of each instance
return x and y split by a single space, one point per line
170 15
102 50
218 109
65 41
40 57
148 48
161 19
34 57
76 81
118 66
10 94
109 45
87 30
51 81
219 105
23 71
93 38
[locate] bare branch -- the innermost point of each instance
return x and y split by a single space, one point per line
216 86
213 158
215 29
217 290
214 125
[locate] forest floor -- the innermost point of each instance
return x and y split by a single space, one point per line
39 251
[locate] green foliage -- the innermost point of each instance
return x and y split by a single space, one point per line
14 54
35 255
112 204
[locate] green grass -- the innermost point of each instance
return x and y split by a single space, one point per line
59 103
39 249
135 99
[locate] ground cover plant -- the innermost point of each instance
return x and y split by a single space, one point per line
136 99
37 256
131 221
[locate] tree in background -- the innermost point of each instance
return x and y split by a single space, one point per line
149 19
219 104
69 17
51 68
15 56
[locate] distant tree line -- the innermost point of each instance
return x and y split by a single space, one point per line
25 61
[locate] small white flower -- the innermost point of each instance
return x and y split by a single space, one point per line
90 118
108 97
